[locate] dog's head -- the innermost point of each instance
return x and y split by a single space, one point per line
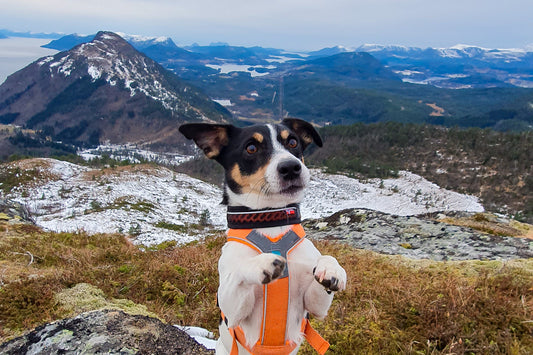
263 163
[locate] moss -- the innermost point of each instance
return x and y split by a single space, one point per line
84 297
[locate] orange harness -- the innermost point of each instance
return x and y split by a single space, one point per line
272 340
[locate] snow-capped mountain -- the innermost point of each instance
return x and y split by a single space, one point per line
460 66
139 42
103 90
459 51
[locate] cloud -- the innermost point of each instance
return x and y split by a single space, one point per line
285 23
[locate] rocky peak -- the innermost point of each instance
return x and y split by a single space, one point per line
109 57
103 90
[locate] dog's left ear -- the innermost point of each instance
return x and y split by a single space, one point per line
210 138
305 131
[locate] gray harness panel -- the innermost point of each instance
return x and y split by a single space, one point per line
281 247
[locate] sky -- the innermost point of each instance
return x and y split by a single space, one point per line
299 25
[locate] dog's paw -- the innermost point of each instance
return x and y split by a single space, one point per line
330 274
269 267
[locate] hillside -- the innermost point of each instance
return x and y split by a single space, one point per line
156 204
104 90
391 304
494 166
160 258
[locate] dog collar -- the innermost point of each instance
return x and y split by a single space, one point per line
244 218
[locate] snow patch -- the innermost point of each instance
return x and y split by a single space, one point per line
94 72
156 204
223 102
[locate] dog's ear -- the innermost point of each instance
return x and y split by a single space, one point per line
305 131
210 138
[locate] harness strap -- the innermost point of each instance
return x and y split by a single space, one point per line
311 335
314 339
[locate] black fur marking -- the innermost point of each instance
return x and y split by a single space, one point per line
227 144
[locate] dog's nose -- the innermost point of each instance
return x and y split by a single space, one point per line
289 169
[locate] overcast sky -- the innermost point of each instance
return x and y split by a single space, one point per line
287 24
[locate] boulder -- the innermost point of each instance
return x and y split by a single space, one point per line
12 211
105 332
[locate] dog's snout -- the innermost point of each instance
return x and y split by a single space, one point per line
289 169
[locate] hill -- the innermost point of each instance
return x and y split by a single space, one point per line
494 166
392 304
104 90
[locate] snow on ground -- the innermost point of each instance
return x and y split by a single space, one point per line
223 102
157 204
201 335
407 195
133 153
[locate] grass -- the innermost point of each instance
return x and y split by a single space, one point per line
488 223
21 174
392 304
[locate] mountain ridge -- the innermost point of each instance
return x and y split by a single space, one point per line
102 90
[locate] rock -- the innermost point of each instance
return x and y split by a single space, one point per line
417 237
14 212
105 332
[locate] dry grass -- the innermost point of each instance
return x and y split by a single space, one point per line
25 173
392 304
488 223
146 169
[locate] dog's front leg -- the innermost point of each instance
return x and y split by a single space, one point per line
329 277
240 274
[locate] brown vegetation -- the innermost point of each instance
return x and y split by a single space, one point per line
494 166
392 304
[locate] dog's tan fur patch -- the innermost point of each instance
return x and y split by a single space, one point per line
306 137
284 134
258 137
249 183
212 142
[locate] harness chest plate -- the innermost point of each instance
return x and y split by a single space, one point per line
273 336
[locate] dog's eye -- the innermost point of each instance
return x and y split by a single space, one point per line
292 143
251 148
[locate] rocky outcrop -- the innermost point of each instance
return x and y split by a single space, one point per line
418 237
14 212
105 332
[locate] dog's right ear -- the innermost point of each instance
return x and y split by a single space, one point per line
210 138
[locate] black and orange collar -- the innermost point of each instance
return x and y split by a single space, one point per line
244 218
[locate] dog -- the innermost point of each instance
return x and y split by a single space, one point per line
271 276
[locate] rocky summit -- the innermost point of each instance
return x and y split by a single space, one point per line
418 237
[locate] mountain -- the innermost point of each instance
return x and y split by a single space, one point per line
104 90
68 42
355 66
460 66
324 52
160 49
340 85
8 33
